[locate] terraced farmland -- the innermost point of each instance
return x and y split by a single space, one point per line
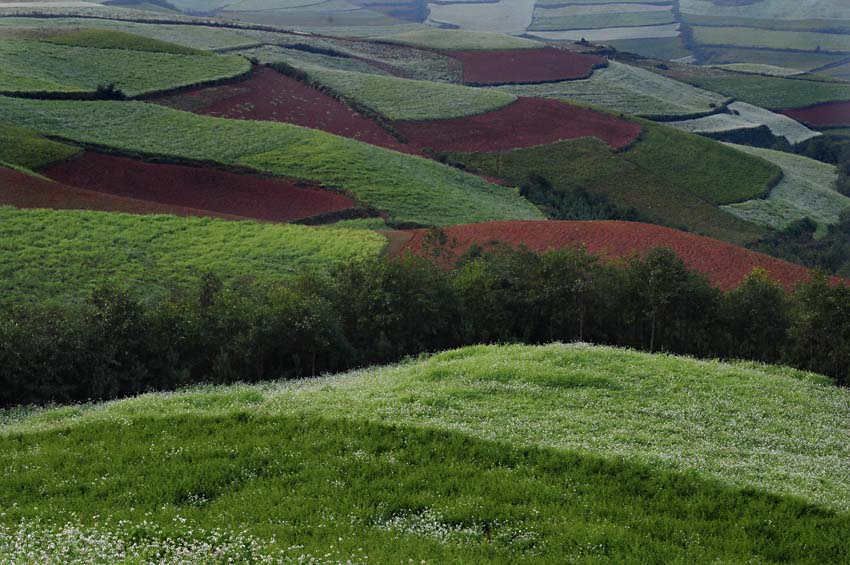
26 149
772 39
747 116
831 114
32 66
599 16
455 40
408 188
403 99
520 66
628 89
76 251
725 264
109 39
807 190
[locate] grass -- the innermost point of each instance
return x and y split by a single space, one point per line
764 38
33 66
482 455
457 40
807 190
107 39
59 256
410 189
403 99
628 89
591 165
26 149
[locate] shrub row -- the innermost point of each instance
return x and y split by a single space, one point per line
382 310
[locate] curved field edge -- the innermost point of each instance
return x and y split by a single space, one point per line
759 426
408 188
244 487
76 251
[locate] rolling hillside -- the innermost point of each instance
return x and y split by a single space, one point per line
485 454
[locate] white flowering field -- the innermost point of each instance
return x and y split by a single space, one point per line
556 454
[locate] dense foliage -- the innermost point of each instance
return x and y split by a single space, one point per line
381 310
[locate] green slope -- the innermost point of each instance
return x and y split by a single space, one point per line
409 188
488 454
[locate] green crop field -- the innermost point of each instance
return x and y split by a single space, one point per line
769 10
807 190
109 39
456 40
764 38
26 149
32 66
801 60
656 48
628 89
408 188
655 180
563 453
581 17
403 99
75 251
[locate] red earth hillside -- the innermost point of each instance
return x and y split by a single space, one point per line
725 264
25 191
524 66
211 190
271 96
528 122
822 115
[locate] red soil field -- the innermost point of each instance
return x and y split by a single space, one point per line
210 190
725 264
24 191
271 96
524 66
525 123
821 115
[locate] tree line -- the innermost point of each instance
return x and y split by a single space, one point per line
114 344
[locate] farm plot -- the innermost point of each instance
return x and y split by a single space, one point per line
269 95
747 116
408 188
460 40
110 39
769 9
833 114
611 33
26 149
760 69
404 99
763 38
297 58
203 189
524 66
628 89
589 16
76 251
502 16
807 190
26 191
725 264
525 123
33 66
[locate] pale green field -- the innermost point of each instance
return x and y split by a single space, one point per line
601 16
456 40
755 38
807 190
771 9
747 116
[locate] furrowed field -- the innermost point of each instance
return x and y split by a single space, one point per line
76 251
406 463
408 188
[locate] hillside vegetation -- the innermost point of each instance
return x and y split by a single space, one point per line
408 188
484 454
110 39
76 251
25 148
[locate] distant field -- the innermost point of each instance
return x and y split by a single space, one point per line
628 89
746 116
807 190
525 65
408 188
611 34
831 114
760 69
769 9
456 40
656 48
503 16
755 38
276 54
600 16
75 251
32 66
801 60
402 99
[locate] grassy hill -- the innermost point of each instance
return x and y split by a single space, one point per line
485 454
408 188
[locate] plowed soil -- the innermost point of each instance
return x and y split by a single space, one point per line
24 191
725 264
210 190
822 115
528 122
524 66
271 96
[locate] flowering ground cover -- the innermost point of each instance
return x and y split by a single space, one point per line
528 122
485 454
523 66
199 188
725 264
